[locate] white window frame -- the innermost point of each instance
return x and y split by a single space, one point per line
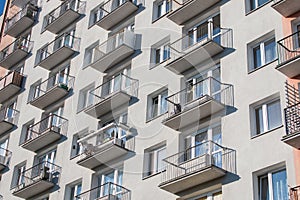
151 156
209 195
75 186
264 107
164 50
89 54
150 110
85 97
261 45
163 9
248 4
117 171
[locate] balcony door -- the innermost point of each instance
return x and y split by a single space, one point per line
66 39
73 4
52 120
197 87
59 78
114 176
10 111
46 163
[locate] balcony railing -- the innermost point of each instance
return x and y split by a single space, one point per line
5 156
295 193
22 3
196 160
8 119
15 52
114 50
10 85
289 55
58 51
107 191
37 179
64 14
22 20
52 124
184 10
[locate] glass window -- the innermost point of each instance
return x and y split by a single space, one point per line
161 8
161 54
158 105
253 4
86 98
154 160
75 190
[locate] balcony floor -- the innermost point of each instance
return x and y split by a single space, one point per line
290 68
190 9
13 58
47 137
106 153
190 180
9 91
194 112
33 189
194 56
20 26
292 140
59 56
50 97
118 15
5 126
63 21
112 58
107 105
287 7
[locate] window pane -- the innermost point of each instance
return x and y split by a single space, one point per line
270 50
259 120
166 52
154 107
161 154
159 10
261 2
274 114
263 188
256 57
252 4
202 31
157 55
164 104
279 184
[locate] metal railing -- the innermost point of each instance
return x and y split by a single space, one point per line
288 48
58 80
188 42
295 193
29 11
113 133
108 191
52 122
10 115
197 158
124 38
5 156
75 5
43 171
13 77
64 40
20 43
119 83
291 94
292 119
194 94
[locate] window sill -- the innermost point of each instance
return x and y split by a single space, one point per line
155 20
269 63
259 7
152 175
154 118
74 157
264 133
157 64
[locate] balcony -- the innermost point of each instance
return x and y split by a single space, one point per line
64 15
36 180
112 51
286 7
114 93
105 145
45 132
187 51
198 101
8 119
184 10
21 21
58 51
15 52
107 191
289 55
5 156
295 193
51 90
113 12
10 85
21 3
197 165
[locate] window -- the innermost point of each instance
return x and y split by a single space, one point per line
89 54
18 179
3 151
96 15
216 195
85 98
77 148
267 116
25 134
262 53
253 4
160 8
157 104
153 160
273 186
160 52
72 190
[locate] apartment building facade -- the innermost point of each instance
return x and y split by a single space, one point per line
148 100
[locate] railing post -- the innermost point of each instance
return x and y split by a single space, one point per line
210 29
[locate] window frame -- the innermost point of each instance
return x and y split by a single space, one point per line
159 94
249 8
151 160
165 8
84 97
